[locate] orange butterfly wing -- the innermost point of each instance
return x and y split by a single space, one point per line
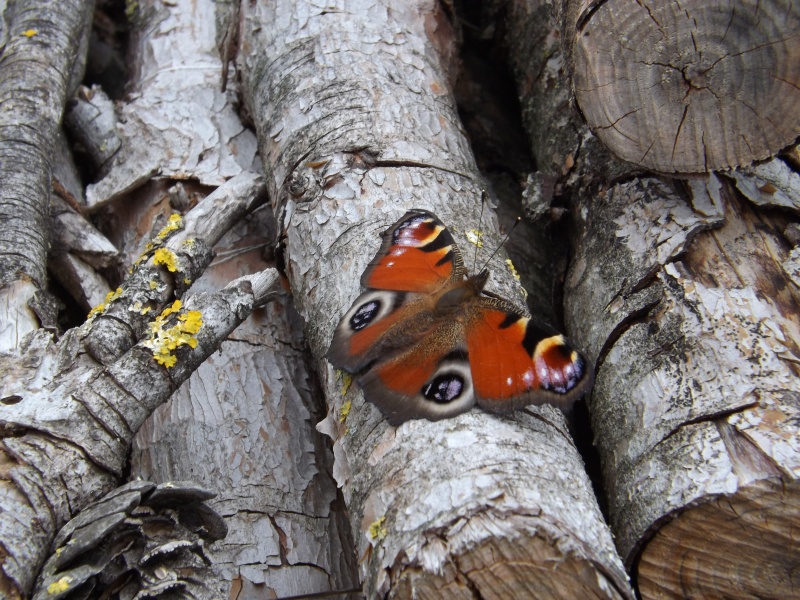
417 257
429 345
418 254
516 361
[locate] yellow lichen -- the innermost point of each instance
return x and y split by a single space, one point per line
174 223
153 284
101 308
167 258
474 237
29 33
511 268
377 531
347 380
344 411
60 586
164 340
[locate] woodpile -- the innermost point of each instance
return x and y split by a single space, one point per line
215 222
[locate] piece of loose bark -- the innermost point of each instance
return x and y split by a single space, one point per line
92 120
686 87
356 124
139 540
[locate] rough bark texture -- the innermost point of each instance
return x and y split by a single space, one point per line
356 124
683 294
243 425
67 418
138 541
40 46
690 86
686 347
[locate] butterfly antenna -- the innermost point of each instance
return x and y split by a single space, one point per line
501 244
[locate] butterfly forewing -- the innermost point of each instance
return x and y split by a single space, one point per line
418 254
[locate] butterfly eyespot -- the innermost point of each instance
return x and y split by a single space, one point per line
444 388
365 314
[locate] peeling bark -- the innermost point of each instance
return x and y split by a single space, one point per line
243 423
67 419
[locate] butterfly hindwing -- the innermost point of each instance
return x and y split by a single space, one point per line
429 380
418 254
516 361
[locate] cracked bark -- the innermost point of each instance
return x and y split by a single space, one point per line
685 295
67 418
356 124
686 87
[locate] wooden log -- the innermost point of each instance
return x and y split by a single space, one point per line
41 46
683 293
686 87
356 125
243 424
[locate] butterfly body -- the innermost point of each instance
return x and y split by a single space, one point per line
430 343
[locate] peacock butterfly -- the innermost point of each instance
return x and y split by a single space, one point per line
430 343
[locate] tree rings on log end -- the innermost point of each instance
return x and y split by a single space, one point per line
742 546
689 87
524 567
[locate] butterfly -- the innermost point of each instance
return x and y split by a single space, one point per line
429 342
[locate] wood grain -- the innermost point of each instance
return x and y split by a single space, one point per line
688 86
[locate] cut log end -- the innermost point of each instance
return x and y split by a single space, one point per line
689 87
740 546
527 567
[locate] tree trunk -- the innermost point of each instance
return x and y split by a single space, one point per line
682 293
356 124
686 87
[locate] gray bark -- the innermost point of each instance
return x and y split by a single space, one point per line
41 45
243 423
356 124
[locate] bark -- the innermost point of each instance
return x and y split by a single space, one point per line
78 251
243 423
41 45
140 540
682 293
678 435
686 87
67 418
356 124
